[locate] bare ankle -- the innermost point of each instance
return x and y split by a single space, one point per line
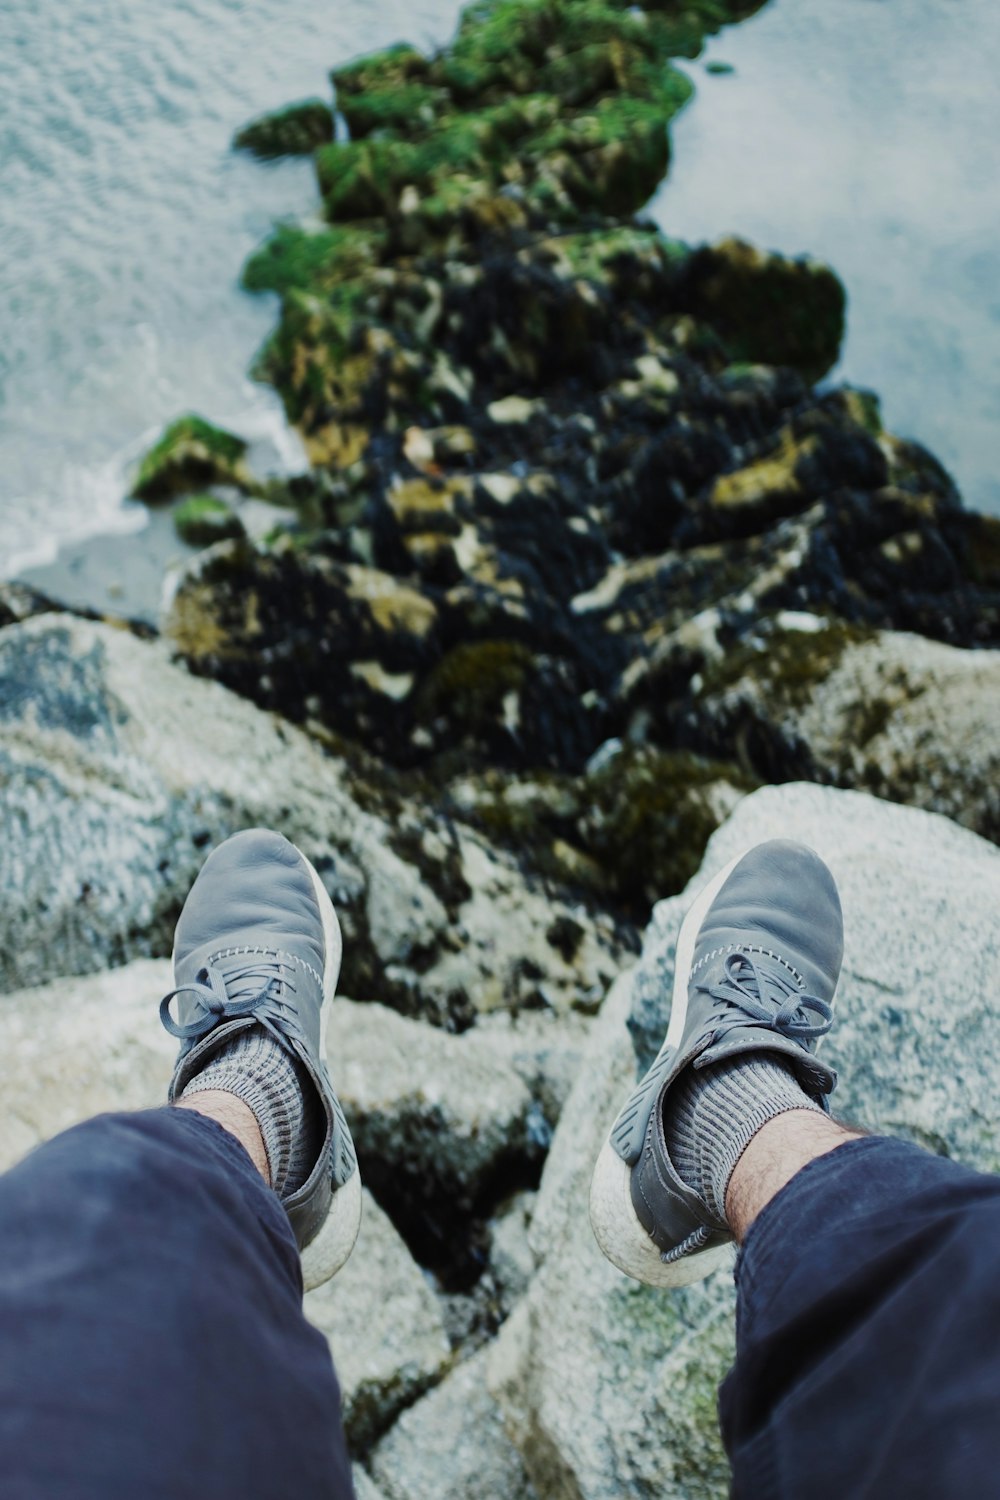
236 1117
779 1150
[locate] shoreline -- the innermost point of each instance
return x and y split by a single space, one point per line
113 573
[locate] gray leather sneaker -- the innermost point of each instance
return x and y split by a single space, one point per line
258 944
757 964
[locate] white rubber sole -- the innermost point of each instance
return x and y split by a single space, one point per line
616 1224
329 1249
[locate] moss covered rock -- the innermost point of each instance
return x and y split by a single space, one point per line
295 131
192 453
388 90
201 520
767 308
315 259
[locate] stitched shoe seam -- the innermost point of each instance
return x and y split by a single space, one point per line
292 958
749 948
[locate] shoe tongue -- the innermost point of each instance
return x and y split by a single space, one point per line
258 966
749 974
813 1076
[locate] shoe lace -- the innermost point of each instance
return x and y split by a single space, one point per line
768 995
258 988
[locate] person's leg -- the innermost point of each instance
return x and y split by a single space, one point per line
868 1325
151 1326
868 1321
756 968
151 1265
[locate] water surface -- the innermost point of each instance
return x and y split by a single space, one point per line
867 132
124 221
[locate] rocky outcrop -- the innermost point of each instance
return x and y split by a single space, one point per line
119 770
608 1388
895 714
581 557
565 472
385 1327
295 131
594 1388
452 1446
552 450
189 454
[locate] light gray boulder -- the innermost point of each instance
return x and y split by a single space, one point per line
451 1111
452 1446
886 712
512 1260
365 1487
102 1048
119 770
385 1328
608 1388
78 1047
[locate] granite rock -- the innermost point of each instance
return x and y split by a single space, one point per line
119 771
452 1446
451 1114
608 1388
888 712
385 1329
76 1047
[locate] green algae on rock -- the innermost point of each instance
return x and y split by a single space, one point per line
201 520
192 453
295 131
313 259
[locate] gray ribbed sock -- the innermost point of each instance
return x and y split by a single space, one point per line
278 1090
712 1115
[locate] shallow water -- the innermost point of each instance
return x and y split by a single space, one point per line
124 221
865 131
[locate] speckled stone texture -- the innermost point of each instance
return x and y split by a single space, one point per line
608 1387
119 771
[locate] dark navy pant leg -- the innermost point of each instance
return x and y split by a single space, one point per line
868 1333
152 1340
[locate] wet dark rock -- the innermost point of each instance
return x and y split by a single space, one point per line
630 829
201 520
190 454
768 309
307 635
295 131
